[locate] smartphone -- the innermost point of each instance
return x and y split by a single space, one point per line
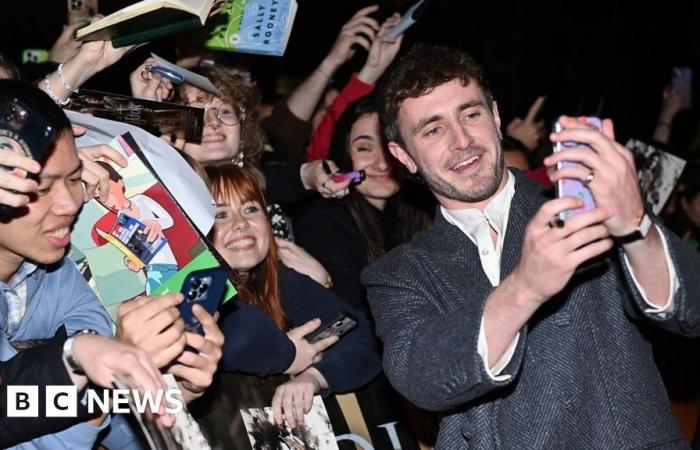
204 287
356 176
570 187
34 56
81 11
409 18
24 132
339 325
682 81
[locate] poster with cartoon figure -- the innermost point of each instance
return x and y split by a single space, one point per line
135 241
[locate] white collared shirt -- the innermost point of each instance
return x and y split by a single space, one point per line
477 225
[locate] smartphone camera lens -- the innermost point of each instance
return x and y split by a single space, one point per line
191 294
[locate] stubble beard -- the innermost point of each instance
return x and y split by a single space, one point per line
482 188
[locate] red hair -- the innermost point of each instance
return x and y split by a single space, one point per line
229 182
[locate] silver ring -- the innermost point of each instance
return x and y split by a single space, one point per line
589 178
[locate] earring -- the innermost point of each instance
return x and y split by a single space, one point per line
239 159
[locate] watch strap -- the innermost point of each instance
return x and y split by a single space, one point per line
641 232
75 367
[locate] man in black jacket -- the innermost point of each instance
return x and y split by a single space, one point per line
516 326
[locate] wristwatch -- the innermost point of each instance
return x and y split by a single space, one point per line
75 367
643 228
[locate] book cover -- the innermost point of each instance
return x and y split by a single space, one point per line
147 20
156 117
253 26
657 171
137 241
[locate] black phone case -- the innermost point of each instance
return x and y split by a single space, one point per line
339 325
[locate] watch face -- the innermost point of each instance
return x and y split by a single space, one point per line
645 225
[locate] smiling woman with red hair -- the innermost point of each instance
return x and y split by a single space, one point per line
261 338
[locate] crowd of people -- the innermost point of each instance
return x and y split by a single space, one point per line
483 320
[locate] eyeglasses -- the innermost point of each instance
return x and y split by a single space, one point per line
225 113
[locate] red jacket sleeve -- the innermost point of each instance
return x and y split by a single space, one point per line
539 175
320 142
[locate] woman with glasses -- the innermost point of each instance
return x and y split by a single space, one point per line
232 132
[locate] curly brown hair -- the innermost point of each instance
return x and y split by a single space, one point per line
242 95
423 68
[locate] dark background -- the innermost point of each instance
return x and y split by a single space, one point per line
621 50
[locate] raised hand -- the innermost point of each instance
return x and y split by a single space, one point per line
550 255
317 177
150 86
94 176
154 325
307 354
15 190
66 46
527 130
608 171
195 370
382 52
360 29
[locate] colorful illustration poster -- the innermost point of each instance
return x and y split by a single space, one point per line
138 239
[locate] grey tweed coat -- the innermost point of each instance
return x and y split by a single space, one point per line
583 376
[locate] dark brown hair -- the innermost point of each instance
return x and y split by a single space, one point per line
423 68
260 288
237 92
406 218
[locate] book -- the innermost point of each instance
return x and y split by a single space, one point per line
658 172
138 240
147 20
261 26
131 237
156 117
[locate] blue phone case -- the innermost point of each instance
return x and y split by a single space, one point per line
206 288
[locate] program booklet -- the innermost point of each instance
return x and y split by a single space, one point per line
156 117
138 240
147 20
253 26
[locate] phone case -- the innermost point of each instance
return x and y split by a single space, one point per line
682 80
206 288
337 326
570 187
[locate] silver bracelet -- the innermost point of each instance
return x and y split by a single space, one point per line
65 84
53 96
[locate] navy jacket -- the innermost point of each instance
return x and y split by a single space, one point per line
254 345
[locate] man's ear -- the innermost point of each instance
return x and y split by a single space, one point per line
496 116
402 155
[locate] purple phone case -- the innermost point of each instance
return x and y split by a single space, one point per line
570 187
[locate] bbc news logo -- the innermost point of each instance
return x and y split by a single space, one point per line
62 401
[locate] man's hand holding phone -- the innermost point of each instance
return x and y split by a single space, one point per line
195 370
608 171
15 189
